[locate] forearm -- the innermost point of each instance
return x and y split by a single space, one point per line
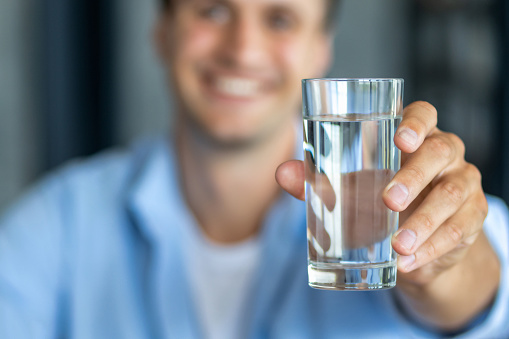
457 295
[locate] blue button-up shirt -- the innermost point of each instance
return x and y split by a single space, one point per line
95 251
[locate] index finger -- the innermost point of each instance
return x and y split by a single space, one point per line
419 120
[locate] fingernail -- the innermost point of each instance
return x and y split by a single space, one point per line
409 136
398 193
406 238
406 261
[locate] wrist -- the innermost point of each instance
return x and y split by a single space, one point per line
449 301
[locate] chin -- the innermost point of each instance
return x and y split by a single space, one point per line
225 136
231 142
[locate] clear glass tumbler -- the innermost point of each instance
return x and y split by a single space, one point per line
350 157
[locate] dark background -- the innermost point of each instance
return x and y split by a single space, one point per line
80 76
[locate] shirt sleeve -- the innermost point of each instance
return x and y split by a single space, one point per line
31 261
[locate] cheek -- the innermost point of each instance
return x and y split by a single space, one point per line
193 46
194 42
297 60
290 57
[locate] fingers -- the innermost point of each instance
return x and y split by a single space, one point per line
476 247
442 202
438 152
456 233
290 176
451 235
419 120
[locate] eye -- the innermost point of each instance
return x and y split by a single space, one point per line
281 21
217 13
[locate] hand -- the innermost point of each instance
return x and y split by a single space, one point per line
440 238
438 193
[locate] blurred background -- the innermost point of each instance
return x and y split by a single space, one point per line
80 76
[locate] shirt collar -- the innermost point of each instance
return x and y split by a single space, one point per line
157 204
154 197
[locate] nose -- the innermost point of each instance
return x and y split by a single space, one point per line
246 43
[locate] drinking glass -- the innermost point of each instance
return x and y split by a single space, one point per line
350 157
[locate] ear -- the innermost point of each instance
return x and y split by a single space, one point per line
161 37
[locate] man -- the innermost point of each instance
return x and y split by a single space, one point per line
190 236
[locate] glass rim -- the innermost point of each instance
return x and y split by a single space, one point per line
358 80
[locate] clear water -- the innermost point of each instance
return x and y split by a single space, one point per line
348 163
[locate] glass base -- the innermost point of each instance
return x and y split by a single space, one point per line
352 277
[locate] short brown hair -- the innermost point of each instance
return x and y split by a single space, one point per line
330 14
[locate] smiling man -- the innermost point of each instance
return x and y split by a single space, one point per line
236 67
190 236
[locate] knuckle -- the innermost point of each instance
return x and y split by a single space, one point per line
430 252
426 223
481 206
473 172
454 233
453 192
440 145
459 145
478 205
418 121
427 106
469 241
416 174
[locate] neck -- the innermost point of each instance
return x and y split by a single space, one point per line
230 189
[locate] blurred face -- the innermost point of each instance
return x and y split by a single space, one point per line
236 65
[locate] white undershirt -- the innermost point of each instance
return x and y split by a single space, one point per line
220 277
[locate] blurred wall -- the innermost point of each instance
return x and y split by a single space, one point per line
20 147
458 64
79 76
143 102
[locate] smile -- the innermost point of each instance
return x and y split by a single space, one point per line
237 87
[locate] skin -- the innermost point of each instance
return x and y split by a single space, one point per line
236 67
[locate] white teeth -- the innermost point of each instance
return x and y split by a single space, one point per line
239 87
